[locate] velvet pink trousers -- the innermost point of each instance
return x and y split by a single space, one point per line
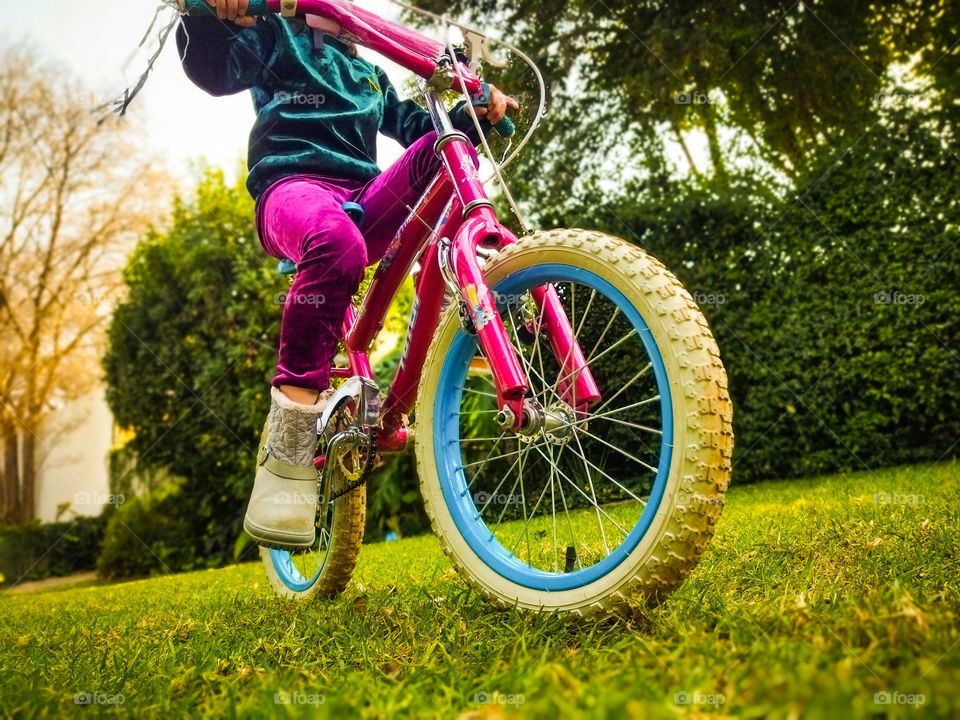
300 217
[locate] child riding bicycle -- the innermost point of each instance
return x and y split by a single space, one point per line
312 149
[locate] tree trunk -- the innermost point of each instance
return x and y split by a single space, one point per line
28 478
713 144
11 477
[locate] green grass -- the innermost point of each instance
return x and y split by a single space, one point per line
811 599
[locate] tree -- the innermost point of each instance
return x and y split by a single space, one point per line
73 199
817 224
191 353
763 87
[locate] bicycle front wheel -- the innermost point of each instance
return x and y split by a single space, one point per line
595 507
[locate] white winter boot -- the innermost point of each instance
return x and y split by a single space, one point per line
283 505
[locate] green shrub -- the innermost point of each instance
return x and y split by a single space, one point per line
35 551
835 309
152 534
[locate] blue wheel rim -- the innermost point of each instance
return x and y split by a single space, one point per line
446 436
288 573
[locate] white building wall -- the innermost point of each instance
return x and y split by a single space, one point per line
72 454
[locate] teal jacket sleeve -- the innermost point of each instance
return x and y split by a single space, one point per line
406 122
222 58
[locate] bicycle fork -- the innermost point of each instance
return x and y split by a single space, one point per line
461 272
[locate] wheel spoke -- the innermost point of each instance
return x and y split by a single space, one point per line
619 450
476 392
631 406
523 501
553 508
513 489
613 317
543 375
527 520
588 361
628 424
607 476
579 490
566 511
593 294
484 461
519 348
621 390
593 493
496 490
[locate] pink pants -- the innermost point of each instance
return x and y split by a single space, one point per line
300 217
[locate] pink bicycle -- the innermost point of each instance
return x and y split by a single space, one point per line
569 408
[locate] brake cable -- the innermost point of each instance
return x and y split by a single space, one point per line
541 109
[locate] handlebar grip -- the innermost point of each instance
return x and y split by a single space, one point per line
506 127
200 8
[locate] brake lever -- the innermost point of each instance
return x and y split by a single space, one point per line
478 52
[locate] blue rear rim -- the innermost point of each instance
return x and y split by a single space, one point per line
290 576
448 442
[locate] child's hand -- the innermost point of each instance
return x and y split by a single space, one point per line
235 10
497 109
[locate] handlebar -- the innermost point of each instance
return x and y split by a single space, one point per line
201 8
403 46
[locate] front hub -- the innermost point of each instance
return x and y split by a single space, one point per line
554 423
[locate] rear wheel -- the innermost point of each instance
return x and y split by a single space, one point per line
593 508
324 570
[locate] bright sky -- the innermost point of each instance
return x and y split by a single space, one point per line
94 39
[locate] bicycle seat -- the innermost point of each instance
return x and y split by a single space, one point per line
353 210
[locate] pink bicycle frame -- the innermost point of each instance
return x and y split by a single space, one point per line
451 221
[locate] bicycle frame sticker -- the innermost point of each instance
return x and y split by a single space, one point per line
481 315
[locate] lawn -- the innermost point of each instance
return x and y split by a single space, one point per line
830 597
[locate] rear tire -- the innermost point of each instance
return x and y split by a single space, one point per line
324 570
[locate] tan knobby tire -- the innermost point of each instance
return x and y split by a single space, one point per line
346 538
699 470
